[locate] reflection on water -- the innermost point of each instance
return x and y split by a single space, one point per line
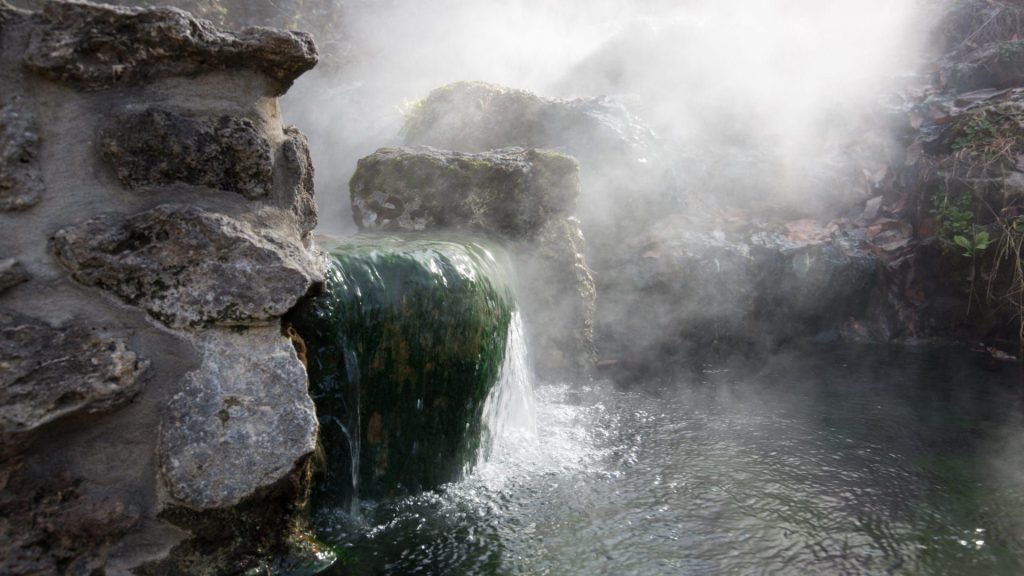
856 461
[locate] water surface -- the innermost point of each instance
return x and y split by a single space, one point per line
858 460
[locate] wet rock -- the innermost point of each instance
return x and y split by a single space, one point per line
521 195
188 267
404 346
21 185
12 273
93 47
299 167
50 373
512 192
242 422
154 147
997 65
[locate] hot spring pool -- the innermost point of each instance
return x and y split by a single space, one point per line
859 460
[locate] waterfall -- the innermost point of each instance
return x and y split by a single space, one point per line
509 414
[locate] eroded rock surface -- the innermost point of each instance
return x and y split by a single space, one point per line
48 373
299 166
684 288
511 192
93 46
153 147
21 185
242 421
188 267
12 273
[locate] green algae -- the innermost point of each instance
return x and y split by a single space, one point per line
403 348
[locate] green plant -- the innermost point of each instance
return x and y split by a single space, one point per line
972 246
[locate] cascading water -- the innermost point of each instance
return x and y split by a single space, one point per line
509 416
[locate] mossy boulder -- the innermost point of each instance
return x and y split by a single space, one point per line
402 350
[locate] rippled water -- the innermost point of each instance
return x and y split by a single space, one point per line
850 461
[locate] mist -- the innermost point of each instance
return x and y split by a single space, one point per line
789 77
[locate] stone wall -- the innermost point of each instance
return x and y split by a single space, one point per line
155 220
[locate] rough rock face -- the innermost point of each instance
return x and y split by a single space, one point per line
511 192
996 65
224 152
20 183
241 422
522 195
189 267
687 289
121 290
12 273
50 373
625 178
92 47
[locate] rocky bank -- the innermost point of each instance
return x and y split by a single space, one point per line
155 217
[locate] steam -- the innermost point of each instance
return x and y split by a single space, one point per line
788 75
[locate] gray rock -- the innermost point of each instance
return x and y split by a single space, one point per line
680 287
93 47
154 147
241 422
12 273
299 170
521 195
49 373
21 185
188 267
558 295
512 192
996 65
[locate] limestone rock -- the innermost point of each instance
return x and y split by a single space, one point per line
12 273
712 287
21 185
512 192
299 168
476 116
93 47
558 289
188 267
153 147
241 422
57 527
49 373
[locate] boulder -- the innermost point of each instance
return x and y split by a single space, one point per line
687 287
154 147
50 373
188 267
241 422
21 185
403 348
523 196
512 192
625 177
94 47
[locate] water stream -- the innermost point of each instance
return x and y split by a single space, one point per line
850 460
